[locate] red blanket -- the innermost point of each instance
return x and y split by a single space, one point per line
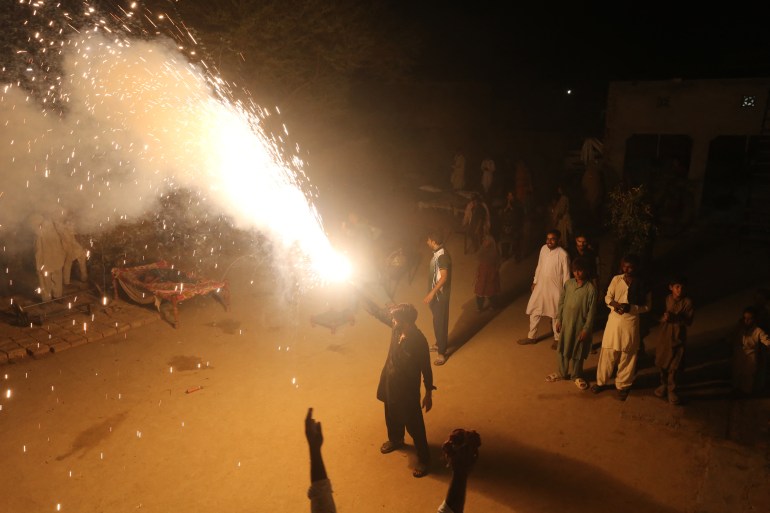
158 281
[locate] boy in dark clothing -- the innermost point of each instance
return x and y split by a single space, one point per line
669 355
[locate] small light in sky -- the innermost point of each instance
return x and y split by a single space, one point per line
569 91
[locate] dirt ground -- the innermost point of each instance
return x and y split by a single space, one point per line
109 427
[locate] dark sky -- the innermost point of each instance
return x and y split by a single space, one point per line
540 51
579 41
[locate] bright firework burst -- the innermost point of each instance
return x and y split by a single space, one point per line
105 112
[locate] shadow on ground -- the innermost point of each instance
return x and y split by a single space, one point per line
471 321
530 479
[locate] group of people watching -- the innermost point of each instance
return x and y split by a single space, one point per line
565 289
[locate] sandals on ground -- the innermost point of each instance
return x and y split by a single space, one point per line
553 377
389 447
581 384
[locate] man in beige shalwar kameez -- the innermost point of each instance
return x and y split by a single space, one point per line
622 335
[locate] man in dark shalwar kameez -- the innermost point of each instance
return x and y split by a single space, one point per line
408 361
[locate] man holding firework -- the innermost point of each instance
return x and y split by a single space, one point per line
408 360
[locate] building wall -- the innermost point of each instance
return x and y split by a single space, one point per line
701 109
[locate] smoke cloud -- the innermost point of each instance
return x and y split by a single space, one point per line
130 120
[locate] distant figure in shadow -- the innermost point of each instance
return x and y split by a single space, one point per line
320 492
487 285
461 451
748 354
525 194
560 214
582 248
487 176
670 351
511 221
457 178
476 222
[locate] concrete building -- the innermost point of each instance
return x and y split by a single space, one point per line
708 133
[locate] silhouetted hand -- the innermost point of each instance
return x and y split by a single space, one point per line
462 449
427 401
313 433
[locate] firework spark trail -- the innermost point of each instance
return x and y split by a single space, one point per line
127 119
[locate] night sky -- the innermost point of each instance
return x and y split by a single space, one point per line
585 42
538 53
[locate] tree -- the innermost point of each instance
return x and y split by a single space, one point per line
632 221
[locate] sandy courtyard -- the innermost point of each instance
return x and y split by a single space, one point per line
109 427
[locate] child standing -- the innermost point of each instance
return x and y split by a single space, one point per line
669 355
577 309
747 354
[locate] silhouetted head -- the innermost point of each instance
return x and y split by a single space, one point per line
404 314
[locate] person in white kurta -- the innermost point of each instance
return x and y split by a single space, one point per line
560 218
551 274
73 251
49 257
622 335
458 172
487 175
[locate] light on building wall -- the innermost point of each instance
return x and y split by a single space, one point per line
749 101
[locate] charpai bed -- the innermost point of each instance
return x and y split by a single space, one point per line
161 281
